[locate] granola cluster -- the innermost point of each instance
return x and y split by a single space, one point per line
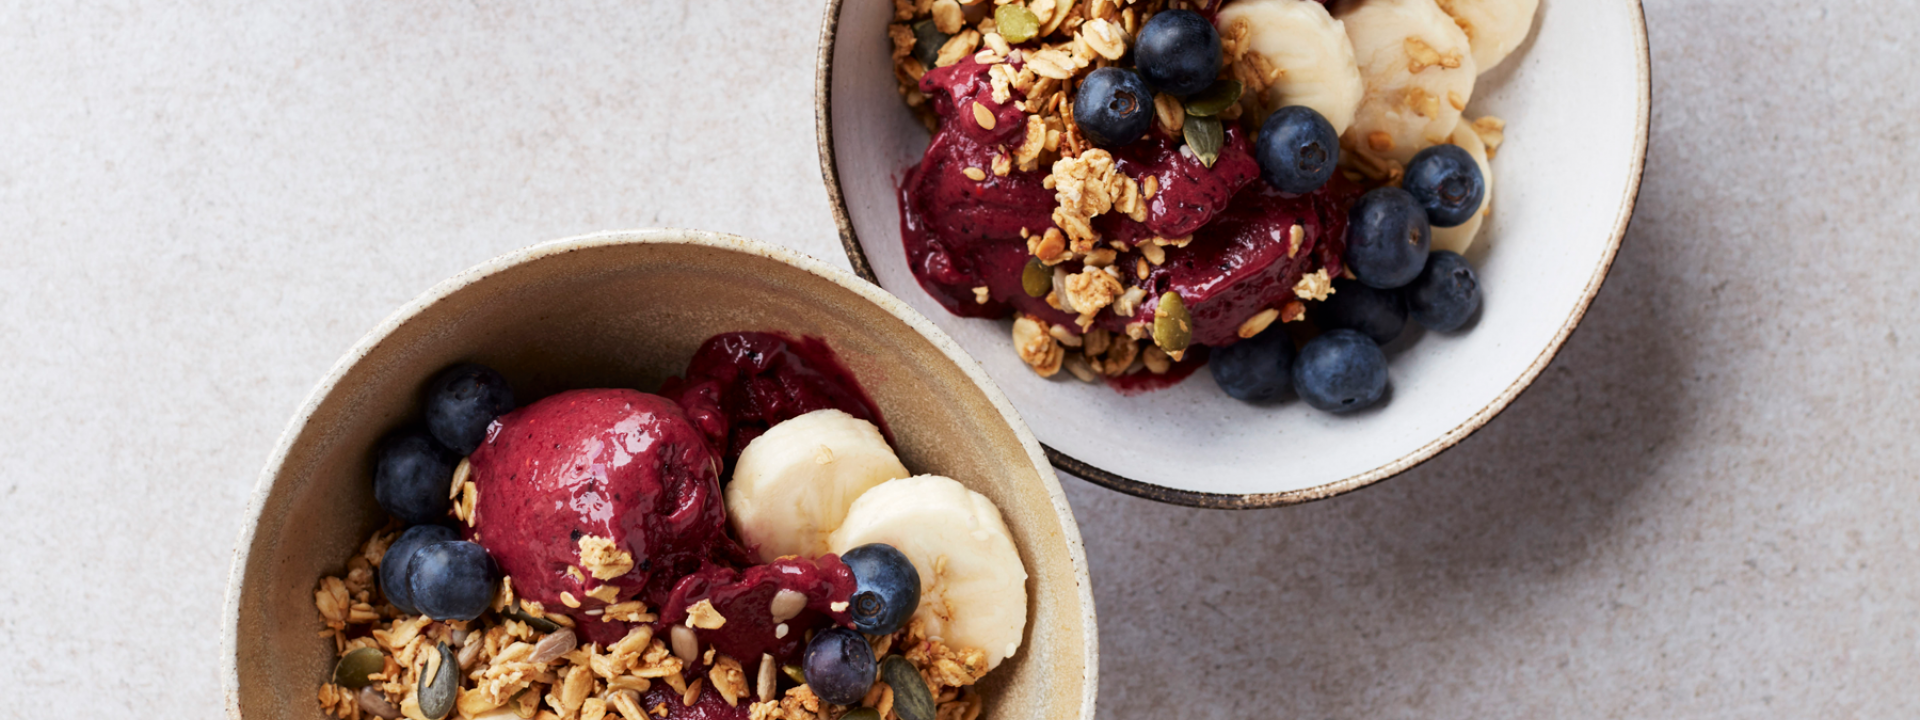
508 663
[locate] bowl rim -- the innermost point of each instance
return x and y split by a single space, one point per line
263 486
857 257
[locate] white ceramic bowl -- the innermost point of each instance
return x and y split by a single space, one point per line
1576 100
627 310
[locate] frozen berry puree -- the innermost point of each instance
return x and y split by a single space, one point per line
741 383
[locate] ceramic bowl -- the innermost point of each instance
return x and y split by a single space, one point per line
627 310
1576 100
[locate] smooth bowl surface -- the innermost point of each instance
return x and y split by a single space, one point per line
1576 100
628 309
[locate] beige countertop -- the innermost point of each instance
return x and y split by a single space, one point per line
1704 508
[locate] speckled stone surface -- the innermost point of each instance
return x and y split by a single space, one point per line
1703 509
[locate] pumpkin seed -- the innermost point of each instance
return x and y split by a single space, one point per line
927 40
356 665
1172 326
541 624
794 673
911 699
865 713
1205 135
1037 279
1219 96
1016 23
440 686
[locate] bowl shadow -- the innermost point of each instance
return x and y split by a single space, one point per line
1334 602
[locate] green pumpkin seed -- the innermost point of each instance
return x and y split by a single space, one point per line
927 40
1172 326
356 665
1219 96
1016 23
1037 279
541 624
794 673
439 689
865 713
1205 135
911 699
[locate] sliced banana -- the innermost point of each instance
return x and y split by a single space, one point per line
1493 27
1303 40
973 587
792 486
1460 237
1418 70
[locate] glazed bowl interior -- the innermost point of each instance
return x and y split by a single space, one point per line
1575 98
628 310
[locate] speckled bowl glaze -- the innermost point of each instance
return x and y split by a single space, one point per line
627 309
1576 98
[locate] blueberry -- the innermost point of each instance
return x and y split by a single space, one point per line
452 580
1446 181
1378 314
1341 371
1387 238
399 557
1445 295
1178 53
411 474
839 666
886 588
1113 107
1297 149
461 401
1256 369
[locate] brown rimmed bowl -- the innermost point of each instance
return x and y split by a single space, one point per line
627 309
1577 100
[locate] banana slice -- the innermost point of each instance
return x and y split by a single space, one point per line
1310 46
792 486
1460 237
1418 70
973 587
1493 27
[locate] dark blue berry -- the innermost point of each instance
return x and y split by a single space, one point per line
1340 371
839 666
1378 314
399 557
461 401
1446 181
452 580
886 588
411 475
1387 238
1297 149
1113 107
1445 295
1178 53
1257 369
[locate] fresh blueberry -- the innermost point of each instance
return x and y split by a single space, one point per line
399 557
1387 238
1113 107
411 474
1446 181
886 588
1178 53
1297 149
452 580
1445 295
839 666
1256 369
1378 314
1340 371
461 401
